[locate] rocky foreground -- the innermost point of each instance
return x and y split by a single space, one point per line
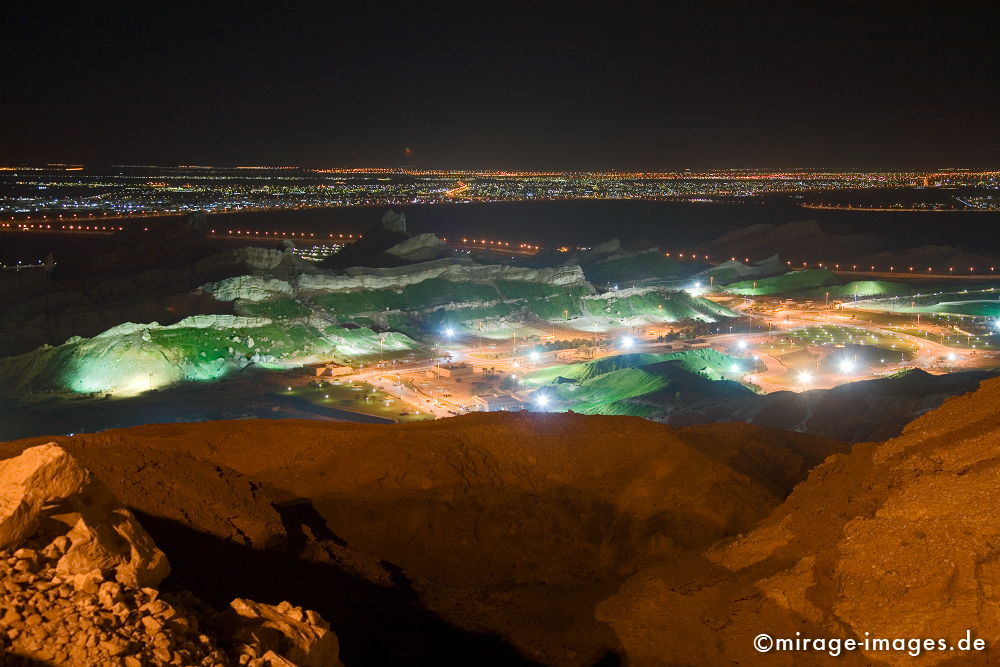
554 539
79 581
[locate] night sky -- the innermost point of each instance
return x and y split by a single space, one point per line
502 85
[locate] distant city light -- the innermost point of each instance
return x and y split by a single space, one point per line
741 344
542 400
846 366
449 332
628 342
533 355
734 368
805 377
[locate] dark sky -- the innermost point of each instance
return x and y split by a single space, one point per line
504 85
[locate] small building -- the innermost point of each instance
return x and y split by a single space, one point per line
330 369
497 402
452 370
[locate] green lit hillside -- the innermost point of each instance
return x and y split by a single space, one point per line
285 323
793 281
608 385
858 288
132 358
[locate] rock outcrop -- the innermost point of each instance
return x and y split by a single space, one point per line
298 635
249 287
370 249
447 269
79 578
420 248
46 490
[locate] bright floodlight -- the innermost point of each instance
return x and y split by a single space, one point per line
742 344
541 400
805 377
533 355
628 342
951 356
734 368
846 366
449 332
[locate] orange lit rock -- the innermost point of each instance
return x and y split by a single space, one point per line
40 476
302 637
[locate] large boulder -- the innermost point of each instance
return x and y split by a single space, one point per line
38 477
46 492
288 633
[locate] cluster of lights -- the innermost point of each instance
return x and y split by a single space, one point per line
249 232
145 191
873 268
690 256
38 227
499 244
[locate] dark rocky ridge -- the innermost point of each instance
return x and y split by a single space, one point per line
852 412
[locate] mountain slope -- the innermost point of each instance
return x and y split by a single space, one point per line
896 539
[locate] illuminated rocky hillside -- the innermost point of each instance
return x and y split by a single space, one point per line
267 308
